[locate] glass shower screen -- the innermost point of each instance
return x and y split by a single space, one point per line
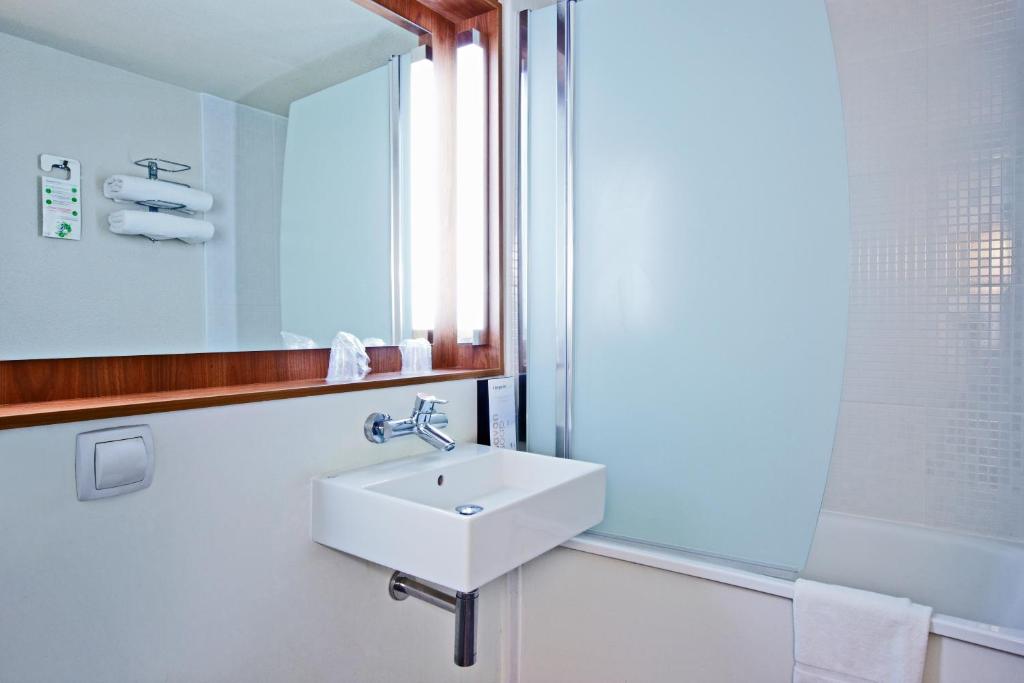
685 230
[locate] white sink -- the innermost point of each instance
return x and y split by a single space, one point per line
402 514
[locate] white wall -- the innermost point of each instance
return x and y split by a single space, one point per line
106 294
587 618
594 619
210 574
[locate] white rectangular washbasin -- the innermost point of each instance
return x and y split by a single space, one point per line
403 514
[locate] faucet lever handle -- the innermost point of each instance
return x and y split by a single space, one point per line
426 403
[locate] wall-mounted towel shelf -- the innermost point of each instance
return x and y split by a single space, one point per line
154 165
156 193
164 198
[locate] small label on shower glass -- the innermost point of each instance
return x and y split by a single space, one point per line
501 402
62 208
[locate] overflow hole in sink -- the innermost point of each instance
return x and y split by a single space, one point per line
440 479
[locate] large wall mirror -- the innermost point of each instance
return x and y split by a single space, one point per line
216 178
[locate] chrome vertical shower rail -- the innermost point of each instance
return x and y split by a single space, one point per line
564 222
523 191
566 234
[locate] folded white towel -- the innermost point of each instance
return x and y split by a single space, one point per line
160 226
129 188
844 635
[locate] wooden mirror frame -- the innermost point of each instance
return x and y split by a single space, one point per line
46 391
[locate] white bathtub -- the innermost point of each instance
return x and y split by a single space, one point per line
973 578
974 585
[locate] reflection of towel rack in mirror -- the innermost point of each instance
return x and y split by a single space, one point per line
154 165
163 198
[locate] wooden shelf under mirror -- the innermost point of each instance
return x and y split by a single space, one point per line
72 410
52 390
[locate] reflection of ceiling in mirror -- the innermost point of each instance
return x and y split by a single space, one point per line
260 53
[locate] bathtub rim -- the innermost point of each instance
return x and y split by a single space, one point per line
977 633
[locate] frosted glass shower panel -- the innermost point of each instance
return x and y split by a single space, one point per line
711 250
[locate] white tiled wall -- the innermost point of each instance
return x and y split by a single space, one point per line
931 428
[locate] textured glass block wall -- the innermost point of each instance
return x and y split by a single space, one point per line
931 427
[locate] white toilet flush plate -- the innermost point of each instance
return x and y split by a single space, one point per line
458 519
112 462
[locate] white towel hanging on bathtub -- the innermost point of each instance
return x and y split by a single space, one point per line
160 226
844 635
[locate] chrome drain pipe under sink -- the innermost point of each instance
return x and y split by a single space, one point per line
462 605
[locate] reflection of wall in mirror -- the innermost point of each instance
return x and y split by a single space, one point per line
335 218
106 294
115 295
243 160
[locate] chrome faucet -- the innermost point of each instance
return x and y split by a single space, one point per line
425 422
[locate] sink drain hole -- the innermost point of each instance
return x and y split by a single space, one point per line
467 510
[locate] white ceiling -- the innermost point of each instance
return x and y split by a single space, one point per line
263 53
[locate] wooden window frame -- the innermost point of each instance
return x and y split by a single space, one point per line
47 391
